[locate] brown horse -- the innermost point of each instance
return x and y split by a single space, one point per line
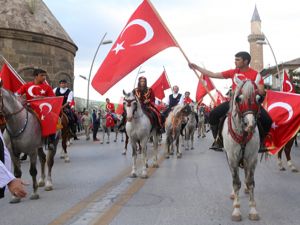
287 150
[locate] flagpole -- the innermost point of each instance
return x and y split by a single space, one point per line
168 79
139 71
10 66
185 56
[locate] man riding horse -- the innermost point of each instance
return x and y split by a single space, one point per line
67 93
38 88
243 72
146 97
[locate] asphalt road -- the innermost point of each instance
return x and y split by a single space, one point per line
95 189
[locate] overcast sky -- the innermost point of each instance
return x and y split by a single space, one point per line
209 31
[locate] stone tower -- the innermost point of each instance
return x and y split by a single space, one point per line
31 37
256 50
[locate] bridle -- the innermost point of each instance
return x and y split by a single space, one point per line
8 116
128 102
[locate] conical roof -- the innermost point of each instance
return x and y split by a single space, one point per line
31 16
255 16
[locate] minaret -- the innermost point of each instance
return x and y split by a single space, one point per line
256 50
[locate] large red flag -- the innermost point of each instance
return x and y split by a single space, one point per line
160 85
285 112
11 81
48 110
287 85
144 35
201 91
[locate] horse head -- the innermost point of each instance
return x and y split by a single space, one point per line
246 102
130 105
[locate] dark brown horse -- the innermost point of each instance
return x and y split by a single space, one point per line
66 134
287 150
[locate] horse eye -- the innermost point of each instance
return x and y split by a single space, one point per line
259 99
238 99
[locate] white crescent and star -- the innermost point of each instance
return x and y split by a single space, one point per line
290 85
145 25
45 104
30 89
284 105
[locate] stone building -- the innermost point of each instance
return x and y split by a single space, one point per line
31 37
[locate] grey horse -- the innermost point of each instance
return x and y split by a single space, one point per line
241 142
23 135
173 126
139 129
190 128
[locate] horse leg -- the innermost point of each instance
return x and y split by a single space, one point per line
126 144
116 137
42 158
167 148
108 135
236 184
50 162
17 173
192 140
155 149
287 151
178 151
64 147
279 160
133 173
186 139
250 184
103 135
122 136
144 174
33 173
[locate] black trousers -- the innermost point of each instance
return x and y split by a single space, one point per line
95 130
221 110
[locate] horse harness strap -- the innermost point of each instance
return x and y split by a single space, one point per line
241 139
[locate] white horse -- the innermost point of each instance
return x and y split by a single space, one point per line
105 130
173 125
190 128
139 129
241 141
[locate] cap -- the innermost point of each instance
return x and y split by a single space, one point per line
63 81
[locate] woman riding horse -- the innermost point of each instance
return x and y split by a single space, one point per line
147 98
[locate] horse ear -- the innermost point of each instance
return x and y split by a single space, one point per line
237 80
257 79
124 93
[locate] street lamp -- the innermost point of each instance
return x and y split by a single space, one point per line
261 42
102 42
139 72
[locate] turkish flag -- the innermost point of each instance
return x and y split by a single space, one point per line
144 35
285 112
201 91
287 85
160 85
120 108
109 120
11 81
220 98
48 110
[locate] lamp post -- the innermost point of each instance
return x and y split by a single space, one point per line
260 42
102 42
139 72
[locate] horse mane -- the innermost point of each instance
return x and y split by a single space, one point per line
15 97
177 109
248 90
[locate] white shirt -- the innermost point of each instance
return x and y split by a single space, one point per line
62 91
175 96
5 169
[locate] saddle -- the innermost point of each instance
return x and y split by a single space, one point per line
152 117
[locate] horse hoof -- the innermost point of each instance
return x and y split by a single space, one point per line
133 175
167 156
179 156
48 188
236 218
246 191
15 200
62 157
41 183
253 216
107 142
192 148
155 165
67 160
122 140
147 165
101 142
282 169
123 153
231 196
115 140
294 170
34 197
186 149
144 176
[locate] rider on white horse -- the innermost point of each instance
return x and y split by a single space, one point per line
36 89
243 71
147 99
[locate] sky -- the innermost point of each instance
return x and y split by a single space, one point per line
210 32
